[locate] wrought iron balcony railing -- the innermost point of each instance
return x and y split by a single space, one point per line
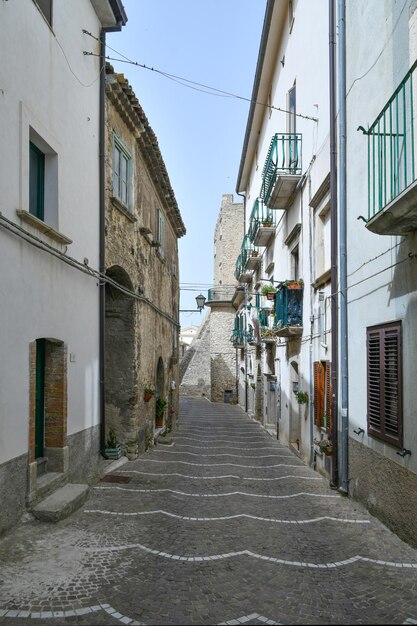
289 309
282 170
391 163
262 224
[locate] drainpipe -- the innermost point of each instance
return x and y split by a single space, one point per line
344 485
102 235
334 482
243 195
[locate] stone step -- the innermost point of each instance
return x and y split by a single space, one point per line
62 503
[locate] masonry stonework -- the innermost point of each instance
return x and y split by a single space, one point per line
142 232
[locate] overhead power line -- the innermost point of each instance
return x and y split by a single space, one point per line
191 84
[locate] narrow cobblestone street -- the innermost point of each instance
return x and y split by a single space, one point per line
226 526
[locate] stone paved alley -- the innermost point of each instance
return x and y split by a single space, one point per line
226 526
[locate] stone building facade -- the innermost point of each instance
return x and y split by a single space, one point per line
143 225
227 237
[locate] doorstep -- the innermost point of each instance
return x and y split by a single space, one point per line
62 503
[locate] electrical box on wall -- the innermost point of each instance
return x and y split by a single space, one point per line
173 384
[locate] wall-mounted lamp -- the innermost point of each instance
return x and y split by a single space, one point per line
404 453
359 431
200 301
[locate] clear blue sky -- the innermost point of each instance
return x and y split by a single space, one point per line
214 42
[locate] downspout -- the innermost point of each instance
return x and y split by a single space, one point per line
334 482
344 459
245 308
102 235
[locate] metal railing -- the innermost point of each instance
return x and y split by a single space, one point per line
391 150
288 307
260 216
284 157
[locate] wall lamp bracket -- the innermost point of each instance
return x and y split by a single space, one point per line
359 431
404 453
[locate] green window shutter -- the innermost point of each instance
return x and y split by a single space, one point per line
36 181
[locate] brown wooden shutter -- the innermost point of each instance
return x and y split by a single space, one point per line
384 371
318 393
329 396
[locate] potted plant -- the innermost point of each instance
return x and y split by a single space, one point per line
267 222
269 291
148 393
325 446
113 449
294 284
160 411
302 397
254 253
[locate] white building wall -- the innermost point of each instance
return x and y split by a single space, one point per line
49 87
301 59
382 278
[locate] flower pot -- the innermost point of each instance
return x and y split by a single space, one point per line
294 285
270 295
328 452
113 453
147 396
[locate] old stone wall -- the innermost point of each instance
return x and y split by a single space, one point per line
196 364
142 255
222 354
386 489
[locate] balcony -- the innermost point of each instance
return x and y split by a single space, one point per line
238 338
242 274
262 224
282 170
289 309
392 185
220 295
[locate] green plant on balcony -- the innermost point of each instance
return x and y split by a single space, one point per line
268 333
267 222
268 289
293 284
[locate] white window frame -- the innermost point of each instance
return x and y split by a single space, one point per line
122 186
161 233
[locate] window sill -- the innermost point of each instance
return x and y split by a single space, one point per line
322 280
123 209
34 221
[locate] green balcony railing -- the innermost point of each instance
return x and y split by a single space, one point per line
284 157
238 336
260 217
391 150
288 307
239 267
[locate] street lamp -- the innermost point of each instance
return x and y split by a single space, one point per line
200 300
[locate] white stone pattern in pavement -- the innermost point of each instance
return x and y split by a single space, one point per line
123 619
222 495
253 617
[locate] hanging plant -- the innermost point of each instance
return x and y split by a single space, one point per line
302 397
325 446
148 393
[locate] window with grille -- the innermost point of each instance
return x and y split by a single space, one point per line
384 380
323 395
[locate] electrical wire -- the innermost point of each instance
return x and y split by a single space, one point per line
380 54
72 71
85 268
192 84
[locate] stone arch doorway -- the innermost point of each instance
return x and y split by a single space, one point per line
160 394
120 369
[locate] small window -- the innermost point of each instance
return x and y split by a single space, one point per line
45 6
36 181
161 232
121 173
292 101
384 380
